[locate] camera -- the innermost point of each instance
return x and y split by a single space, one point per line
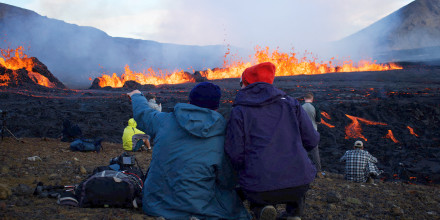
123 160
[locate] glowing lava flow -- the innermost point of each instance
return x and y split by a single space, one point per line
287 64
15 59
411 130
324 122
354 130
391 136
326 115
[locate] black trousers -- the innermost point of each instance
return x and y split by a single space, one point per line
293 197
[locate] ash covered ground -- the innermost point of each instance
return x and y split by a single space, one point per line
398 98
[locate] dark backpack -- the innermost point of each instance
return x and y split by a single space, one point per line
110 188
83 144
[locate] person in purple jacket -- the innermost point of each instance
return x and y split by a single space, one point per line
267 139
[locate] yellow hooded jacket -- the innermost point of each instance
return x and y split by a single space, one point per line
129 131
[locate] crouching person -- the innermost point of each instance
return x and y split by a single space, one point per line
133 139
360 164
189 175
267 138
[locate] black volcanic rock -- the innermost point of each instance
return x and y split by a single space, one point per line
131 85
95 84
198 77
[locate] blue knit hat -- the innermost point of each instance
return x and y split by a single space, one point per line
205 95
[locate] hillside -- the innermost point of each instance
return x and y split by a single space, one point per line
411 33
74 53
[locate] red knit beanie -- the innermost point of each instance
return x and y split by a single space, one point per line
263 72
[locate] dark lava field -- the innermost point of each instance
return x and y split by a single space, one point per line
397 112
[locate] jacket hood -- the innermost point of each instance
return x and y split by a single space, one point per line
258 94
201 122
132 123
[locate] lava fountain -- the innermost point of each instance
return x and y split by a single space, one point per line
287 64
16 59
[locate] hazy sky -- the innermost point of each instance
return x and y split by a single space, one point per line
244 23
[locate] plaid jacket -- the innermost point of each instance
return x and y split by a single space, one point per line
359 164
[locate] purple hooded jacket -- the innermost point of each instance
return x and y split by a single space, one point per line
267 139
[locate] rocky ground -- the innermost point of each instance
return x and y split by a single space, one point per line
329 198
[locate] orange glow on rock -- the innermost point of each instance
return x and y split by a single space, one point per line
391 136
326 115
354 130
411 130
326 124
15 59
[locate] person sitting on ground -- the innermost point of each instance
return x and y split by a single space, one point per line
152 102
133 139
267 138
360 164
189 174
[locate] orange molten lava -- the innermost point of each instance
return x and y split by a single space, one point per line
391 136
326 124
411 130
326 115
287 64
354 130
146 77
323 113
15 59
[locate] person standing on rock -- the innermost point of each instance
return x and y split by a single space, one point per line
267 139
189 174
315 116
360 164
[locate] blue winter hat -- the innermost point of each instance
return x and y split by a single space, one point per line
205 95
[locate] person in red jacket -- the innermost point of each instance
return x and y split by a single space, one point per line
267 139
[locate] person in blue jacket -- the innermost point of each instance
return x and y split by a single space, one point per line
267 139
189 175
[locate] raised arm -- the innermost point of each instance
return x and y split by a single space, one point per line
147 119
